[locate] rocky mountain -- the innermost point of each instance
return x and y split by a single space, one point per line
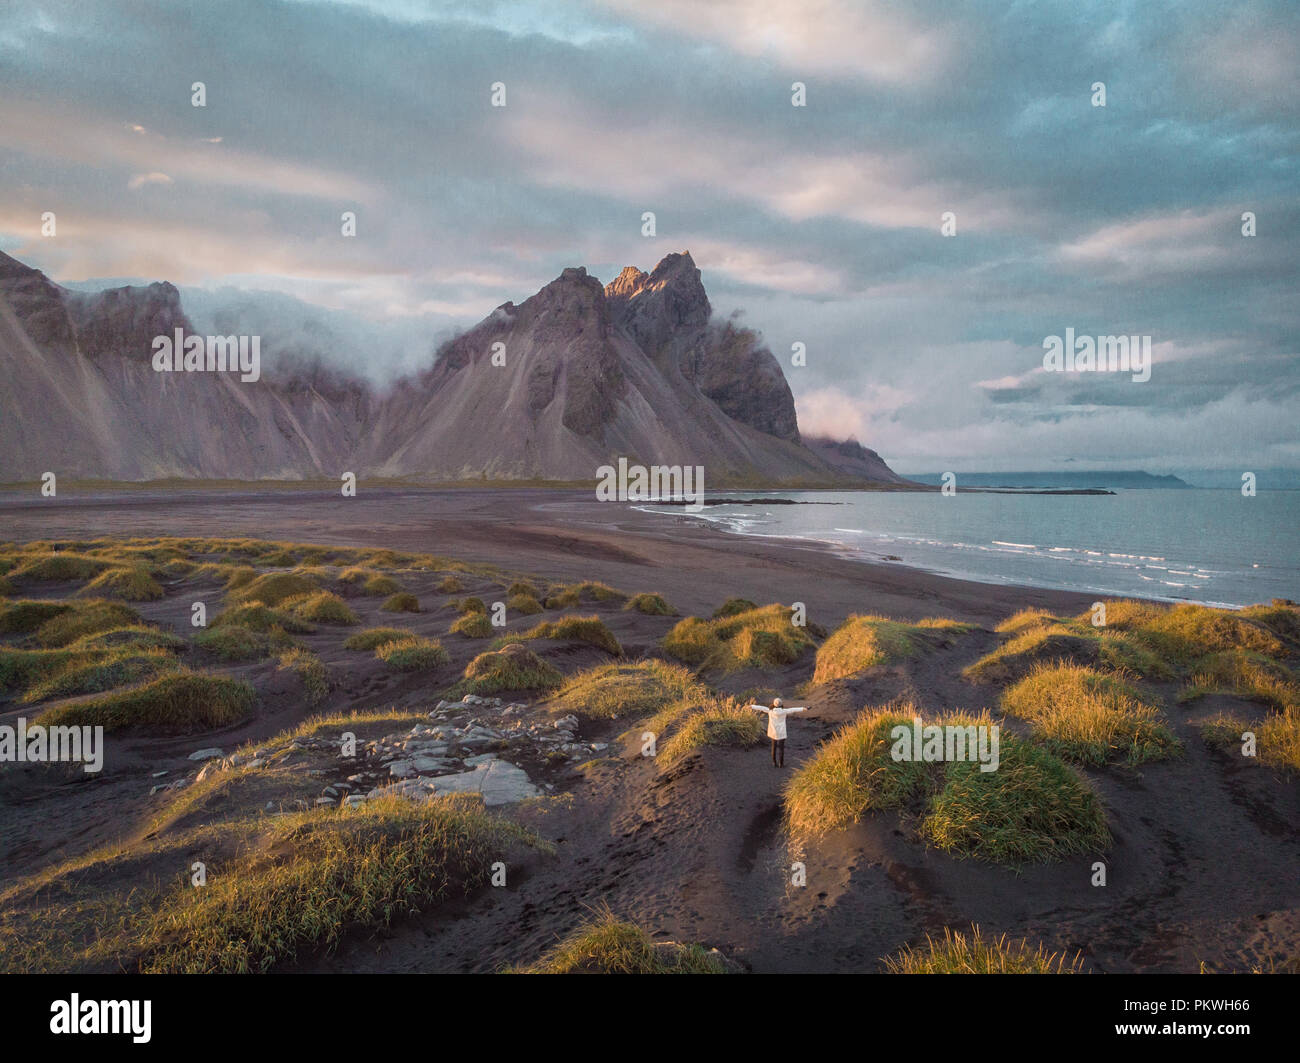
852 458
572 378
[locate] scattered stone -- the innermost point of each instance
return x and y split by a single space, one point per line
206 754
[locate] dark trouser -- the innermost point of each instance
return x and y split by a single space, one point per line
778 748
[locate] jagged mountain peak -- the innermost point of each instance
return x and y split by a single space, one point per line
572 378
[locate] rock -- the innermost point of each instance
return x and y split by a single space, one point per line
482 758
206 754
429 765
324 800
158 774
566 723
400 769
499 783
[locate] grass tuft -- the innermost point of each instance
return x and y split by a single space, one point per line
650 604
181 703
973 953
607 945
1089 718
401 603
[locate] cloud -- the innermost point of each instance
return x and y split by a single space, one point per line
820 223
141 179
853 39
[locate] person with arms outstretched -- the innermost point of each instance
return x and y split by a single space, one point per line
776 728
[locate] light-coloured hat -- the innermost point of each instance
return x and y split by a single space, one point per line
776 703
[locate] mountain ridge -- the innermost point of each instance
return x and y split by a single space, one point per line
552 388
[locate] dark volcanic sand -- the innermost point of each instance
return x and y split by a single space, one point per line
1206 860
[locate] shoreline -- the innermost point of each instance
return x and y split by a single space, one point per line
563 535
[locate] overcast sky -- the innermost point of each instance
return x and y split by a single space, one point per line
821 223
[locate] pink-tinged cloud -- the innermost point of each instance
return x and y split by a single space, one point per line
564 144
140 180
859 40
85 140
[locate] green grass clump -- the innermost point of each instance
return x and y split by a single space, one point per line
1034 644
651 604
589 629
757 638
233 643
523 604
136 638
356 574
733 607
60 567
853 773
472 626
24 615
272 588
310 670
235 577
1027 620
323 607
1277 737
258 617
863 642
1032 808
1184 633
401 603
607 945
21 667
469 605
511 668
611 691
180 703
451 585
374 637
1123 644
1089 718
135 584
1282 618
88 618
113 670
562 597
716 721
959 953
336 873
380 584
522 587
1246 675
412 653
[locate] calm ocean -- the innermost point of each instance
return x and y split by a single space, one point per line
1206 546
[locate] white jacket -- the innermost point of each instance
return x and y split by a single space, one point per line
776 719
